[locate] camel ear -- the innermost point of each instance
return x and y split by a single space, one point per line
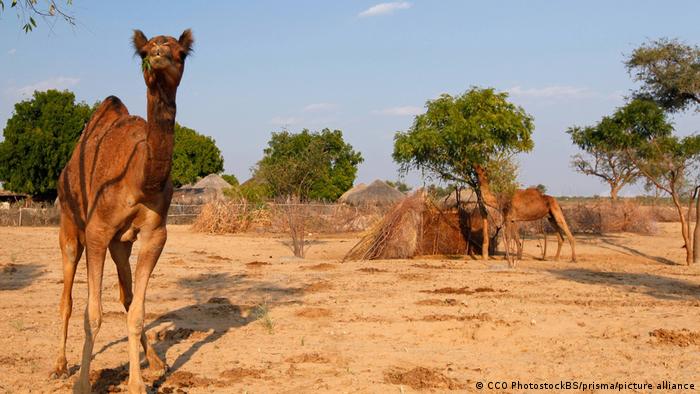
140 42
186 40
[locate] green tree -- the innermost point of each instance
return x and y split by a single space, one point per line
666 161
456 135
400 186
308 165
231 179
600 158
27 10
670 73
39 139
194 156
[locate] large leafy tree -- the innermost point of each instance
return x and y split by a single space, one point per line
308 165
39 139
666 161
456 135
194 156
670 73
600 158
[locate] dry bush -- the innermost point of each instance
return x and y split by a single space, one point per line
225 216
601 217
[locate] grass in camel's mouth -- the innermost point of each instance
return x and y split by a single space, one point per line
146 64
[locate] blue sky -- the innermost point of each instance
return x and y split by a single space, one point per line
360 66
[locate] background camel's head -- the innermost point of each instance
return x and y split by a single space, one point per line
163 57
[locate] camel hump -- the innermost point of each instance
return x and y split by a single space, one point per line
112 104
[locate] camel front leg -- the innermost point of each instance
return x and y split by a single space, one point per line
120 252
96 252
153 242
71 251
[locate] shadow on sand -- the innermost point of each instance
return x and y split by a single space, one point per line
200 323
18 276
660 287
633 252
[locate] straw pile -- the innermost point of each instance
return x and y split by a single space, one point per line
417 226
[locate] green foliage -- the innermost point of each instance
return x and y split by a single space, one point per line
457 134
503 171
39 139
670 73
641 129
194 156
400 186
310 165
28 9
438 191
231 179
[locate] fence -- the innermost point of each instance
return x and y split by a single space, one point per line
49 215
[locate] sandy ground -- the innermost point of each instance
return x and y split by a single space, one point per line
239 314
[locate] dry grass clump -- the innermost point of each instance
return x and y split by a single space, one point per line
602 217
225 216
416 226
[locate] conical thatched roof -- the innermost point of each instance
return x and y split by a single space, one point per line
376 193
212 181
209 188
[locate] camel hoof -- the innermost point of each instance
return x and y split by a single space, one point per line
156 365
60 371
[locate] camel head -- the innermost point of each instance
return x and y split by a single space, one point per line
163 57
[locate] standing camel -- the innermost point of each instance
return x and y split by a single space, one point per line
116 186
528 205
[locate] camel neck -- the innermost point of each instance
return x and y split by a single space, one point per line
160 136
488 197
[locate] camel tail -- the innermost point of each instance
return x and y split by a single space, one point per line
558 216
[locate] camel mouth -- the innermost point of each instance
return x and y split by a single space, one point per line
159 62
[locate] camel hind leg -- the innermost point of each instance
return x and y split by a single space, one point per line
557 216
120 252
71 251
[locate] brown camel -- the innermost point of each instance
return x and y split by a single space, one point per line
528 205
116 186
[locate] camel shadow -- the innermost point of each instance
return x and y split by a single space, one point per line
198 324
634 252
652 285
18 276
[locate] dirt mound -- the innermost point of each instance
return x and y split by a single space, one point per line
188 379
308 358
314 312
236 374
436 302
420 378
450 290
443 317
256 264
108 380
682 338
318 287
180 334
321 267
372 270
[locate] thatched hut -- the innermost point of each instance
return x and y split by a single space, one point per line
418 226
377 193
207 189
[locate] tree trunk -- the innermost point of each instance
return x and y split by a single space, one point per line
696 232
684 230
485 236
614 189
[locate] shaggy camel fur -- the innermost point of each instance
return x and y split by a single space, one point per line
528 205
116 186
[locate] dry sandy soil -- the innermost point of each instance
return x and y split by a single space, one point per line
238 314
